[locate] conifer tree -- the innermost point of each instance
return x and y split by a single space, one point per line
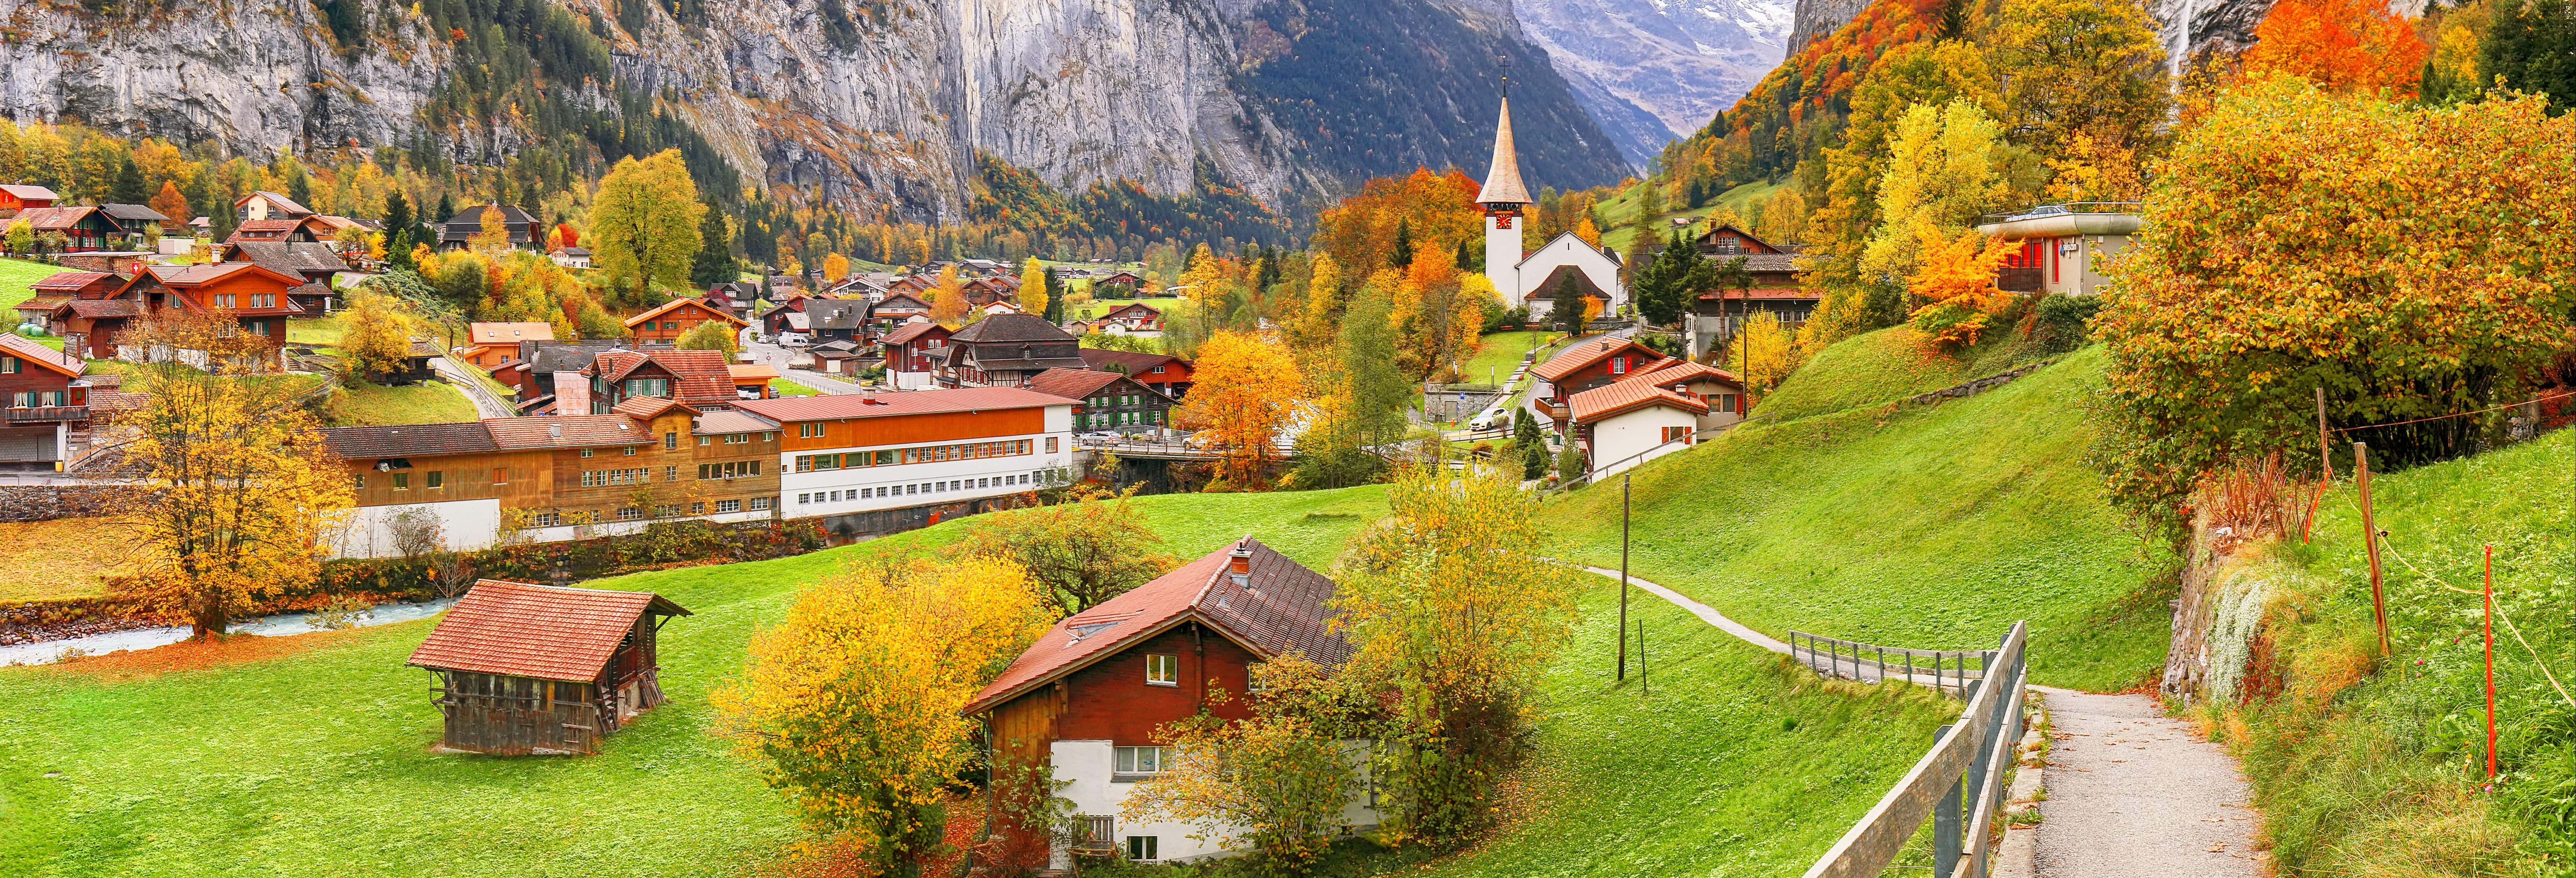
714 262
128 186
1402 257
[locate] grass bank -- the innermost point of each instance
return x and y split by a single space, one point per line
372 405
309 755
1931 527
2367 765
63 558
16 278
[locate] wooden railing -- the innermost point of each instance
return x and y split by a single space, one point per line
1968 757
1099 834
47 414
1949 670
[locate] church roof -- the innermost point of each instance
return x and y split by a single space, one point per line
1503 177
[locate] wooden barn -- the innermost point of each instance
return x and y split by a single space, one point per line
544 670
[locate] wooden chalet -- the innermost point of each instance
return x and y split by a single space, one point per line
1131 319
898 308
1774 290
1003 350
317 262
777 319
1109 400
697 379
544 670
44 398
137 226
1164 373
60 287
907 353
19 196
255 296
307 228
266 205
82 228
1587 364
984 291
458 230
675 318
488 345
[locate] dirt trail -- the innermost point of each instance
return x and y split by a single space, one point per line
2131 793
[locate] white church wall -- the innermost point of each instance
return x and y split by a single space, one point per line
1566 251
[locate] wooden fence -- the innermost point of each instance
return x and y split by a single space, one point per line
1969 757
1949 670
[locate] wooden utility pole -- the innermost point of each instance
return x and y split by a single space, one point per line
1623 577
2370 537
2490 625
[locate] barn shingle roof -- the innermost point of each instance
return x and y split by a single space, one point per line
524 630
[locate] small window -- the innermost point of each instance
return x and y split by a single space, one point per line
402 481
361 482
1162 669
670 441
1142 848
697 509
1050 445
500 475
670 474
1143 760
585 452
760 504
630 451
703 440
629 513
437 479
802 499
547 519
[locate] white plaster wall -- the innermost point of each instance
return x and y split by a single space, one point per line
905 483
1088 765
1616 440
1502 258
466 525
1567 249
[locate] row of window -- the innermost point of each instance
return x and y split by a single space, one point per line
636 513
739 469
806 463
600 478
30 399
1116 419
1122 399
939 487
257 300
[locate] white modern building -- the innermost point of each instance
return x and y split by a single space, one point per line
863 460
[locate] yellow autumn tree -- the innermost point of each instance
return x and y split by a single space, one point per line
1591 234
850 706
1207 280
836 268
378 337
1763 354
948 299
644 222
237 492
1314 327
1957 283
2094 170
492 238
1246 390
1033 287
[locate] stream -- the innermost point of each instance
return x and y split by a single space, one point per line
50 651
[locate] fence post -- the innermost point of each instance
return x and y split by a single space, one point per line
1945 823
2370 537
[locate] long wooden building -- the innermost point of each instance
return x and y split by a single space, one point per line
544 670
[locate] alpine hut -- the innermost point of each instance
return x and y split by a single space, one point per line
545 670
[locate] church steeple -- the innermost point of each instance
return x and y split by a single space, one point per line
1503 176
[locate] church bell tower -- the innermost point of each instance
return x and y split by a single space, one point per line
1505 201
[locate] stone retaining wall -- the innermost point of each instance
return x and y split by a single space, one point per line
25 503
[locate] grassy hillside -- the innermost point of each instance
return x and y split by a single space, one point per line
1621 210
375 405
2372 766
15 276
1882 367
309 755
1928 527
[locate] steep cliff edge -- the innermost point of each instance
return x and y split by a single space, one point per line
878 107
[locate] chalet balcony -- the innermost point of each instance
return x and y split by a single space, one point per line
1554 410
47 414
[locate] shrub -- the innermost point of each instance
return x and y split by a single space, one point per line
2059 324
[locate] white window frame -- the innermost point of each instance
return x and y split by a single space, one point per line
1162 669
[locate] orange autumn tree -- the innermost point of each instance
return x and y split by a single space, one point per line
1957 280
2343 45
1246 390
850 706
948 299
1437 210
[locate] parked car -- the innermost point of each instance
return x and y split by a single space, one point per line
1485 421
795 339
1102 436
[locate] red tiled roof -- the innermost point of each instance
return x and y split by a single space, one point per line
1602 402
52 218
675 304
1072 384
567 431
193 275
1131 306
268 225
916 402
41 355
1136 363
509 333
1585 353
910 331
700 379
646 408
1281 607
751 373
70 280
1679 371
542 631
101 308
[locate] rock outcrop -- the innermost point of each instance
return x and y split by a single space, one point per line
876 106
1676 61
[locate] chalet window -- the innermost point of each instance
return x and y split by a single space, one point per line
1050 445
703 441
737 438
728 506
585 452
263 300
223 300
629 513
255 327
1142 848
31 399
1143 760
437 479
500 475
648 387
670 511
670 474
402 481
759 504
809 431
1162 669
697 509
670 441
1677 434
1618 365
1726 402
361 482
12 365
546 519
630 451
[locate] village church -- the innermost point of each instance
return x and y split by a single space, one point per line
1521 275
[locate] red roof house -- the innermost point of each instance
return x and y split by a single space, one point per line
536 669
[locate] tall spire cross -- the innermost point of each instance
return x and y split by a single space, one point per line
1503 175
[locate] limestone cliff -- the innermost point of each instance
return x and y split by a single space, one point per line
876 106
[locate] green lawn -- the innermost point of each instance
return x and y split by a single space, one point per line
784 387
1621 211
429 402
1930 528
1499 353
323 331
1882 367
15 276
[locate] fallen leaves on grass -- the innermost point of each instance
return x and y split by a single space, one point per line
191 655
64 558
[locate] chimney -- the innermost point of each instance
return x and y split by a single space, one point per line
1239 565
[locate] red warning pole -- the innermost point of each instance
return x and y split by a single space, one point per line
2490 625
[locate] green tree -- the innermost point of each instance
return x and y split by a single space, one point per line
1094 546
21 237
1453 607
1569 460
2090 67
1365 403
1663 286
1565 308
644 222
713 263
128 187
2527 44
1402 255
713 335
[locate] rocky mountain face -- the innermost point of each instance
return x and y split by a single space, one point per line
1680 61
875 106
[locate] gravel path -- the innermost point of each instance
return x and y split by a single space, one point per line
2131 793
